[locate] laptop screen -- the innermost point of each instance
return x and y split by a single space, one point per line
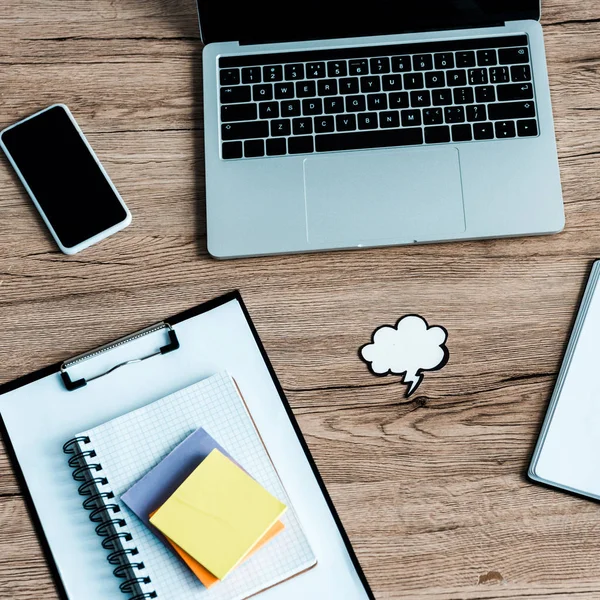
279 21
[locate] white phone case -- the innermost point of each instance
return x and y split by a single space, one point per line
99 236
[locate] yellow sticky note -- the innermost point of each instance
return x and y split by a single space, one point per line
218 514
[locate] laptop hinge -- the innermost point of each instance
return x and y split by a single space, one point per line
479 25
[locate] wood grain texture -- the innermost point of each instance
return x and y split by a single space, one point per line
432 491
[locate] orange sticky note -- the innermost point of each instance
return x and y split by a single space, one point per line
205 576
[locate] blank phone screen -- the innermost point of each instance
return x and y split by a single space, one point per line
64 176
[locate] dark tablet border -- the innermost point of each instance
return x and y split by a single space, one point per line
183 316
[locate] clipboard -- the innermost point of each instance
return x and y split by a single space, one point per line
40 411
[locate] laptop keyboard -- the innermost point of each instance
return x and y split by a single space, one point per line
378 97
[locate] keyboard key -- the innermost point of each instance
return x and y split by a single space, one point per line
505 129
315 70
370 84
390 118
273 73
254 148
487 58
349 85
355 103
247 130
268 110
463 95
527 128
454 114
499 75
461 133
324 124
380 65
511 110
515 91
377 101
238 112
423 62
485 93
420 99
367 121
300 145
276 146
410 118
337 68
334 105
284 90
437 135
262 92
241 93
359 66
478 76
413 81
444 60
400 64
391 83
483 131
327 87
251 75
302 126
294 72
465 59
229 76
369 139
476 112
456 78
520 73
290 108
231 150
441 97
433 116
345 123
306 89
511 56
399 100
314 106
435 79
280 127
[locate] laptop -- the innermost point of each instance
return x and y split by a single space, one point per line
333 125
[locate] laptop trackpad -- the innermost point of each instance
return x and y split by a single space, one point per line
398 196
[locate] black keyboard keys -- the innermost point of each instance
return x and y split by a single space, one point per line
345 123
433 116
465 59
435 79
370 84
441 97
315 70
276 147
505 129
293 72
511 110
485 93
389 119
229 76
273 73
290 108
251 75
456 78
499 75
284 90
254 148
520 73
437 135
515 91
476 112
281 127
423 62
463 95
483 131
327 87
349 85
367 121
313 106
444 60
391 83
241 93
413 81
369 139
302 125
400 64
333 105
478 76
306 89
232 150
324 124
461 133
511 56
262 92
337 68
300 145
358 66
247 130
238 112
527 128
454 114
379 66
487 58
267 110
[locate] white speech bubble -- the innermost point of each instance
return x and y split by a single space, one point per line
408 349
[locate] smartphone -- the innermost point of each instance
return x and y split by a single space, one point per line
62 174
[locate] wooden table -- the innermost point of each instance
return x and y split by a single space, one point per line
432 490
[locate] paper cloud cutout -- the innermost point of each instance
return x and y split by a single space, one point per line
408 349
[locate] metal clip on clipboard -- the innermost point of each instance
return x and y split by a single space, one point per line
78 383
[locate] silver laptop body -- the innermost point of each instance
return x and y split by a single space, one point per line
439 159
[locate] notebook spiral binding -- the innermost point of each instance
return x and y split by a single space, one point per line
107 525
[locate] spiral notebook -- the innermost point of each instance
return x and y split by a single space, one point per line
116 454
173 361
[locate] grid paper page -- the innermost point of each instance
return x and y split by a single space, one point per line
129 446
